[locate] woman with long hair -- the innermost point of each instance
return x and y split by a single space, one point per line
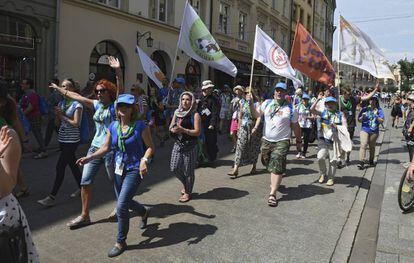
11 213
68 119
249 136
156 106
104 114
396 112
185 128
127 138
370 117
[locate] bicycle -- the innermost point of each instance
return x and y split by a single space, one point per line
406 193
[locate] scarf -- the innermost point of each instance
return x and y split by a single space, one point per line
102 114
347 105
180 112
275 107
123 137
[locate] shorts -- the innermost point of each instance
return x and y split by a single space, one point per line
274 156
234 126
91 169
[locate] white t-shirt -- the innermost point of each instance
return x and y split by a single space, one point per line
277 127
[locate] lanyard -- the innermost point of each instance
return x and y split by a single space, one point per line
274 108
123 137
347 105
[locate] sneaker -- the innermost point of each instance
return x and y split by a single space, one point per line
298 156
303 156
321 178
405 165
330 182
361 165
76 193
40 155
47 201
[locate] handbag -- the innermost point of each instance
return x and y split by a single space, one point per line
13 247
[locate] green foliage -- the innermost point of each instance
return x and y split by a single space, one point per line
407 71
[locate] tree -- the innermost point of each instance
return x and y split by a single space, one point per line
407 70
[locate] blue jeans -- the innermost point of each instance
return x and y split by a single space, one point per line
90 170
126 186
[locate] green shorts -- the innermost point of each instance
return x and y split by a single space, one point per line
274 156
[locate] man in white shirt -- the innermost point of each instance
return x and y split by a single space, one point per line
280 118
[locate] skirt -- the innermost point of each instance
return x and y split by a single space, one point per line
248 146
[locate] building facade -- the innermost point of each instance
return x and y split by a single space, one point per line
27 41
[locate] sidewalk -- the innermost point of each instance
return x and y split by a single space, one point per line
396 230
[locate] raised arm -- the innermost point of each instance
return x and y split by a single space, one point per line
256 113
114 63
313 109
372 93
74 96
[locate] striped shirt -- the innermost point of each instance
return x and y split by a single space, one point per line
67 132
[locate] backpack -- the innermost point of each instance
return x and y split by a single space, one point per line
84 126
43 105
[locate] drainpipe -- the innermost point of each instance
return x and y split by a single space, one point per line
57 24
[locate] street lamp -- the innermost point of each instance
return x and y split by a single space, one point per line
150 40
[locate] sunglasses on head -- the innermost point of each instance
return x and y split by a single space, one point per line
97 91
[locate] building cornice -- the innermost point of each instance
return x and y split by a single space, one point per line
106 10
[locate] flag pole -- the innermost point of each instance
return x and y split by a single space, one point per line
176 49
339 57
252 69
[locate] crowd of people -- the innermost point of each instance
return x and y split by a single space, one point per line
260 124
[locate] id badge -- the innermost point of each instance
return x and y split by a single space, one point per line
207 112
119 165
350 113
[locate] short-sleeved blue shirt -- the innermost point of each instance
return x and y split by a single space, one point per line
134 145
103 117
370 123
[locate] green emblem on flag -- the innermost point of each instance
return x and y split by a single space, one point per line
203 43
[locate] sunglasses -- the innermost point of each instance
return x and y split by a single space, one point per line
97 91
120 105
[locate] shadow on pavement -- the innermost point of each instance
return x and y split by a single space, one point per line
302 191
164 210
353 181
299 171
221 193
175 233
301 161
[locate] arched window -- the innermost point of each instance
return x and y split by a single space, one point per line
98 63
159 60
193 75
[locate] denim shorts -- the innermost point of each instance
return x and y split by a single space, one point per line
91 169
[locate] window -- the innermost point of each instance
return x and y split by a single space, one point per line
223 18
196 5
309 24
158 10
242 25
285 7
301 18
274 3
112 3
273 33
283 41
98 61
310 2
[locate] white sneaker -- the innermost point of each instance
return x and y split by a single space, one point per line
321 178
302 156
330 182
76 193
298 156
48 201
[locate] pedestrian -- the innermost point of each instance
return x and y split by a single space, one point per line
209 111
30 104
173 97
13 223
52 100
250 132
408 130
349 103
280 118
225 109
127 138
185 128
305 120
68 118
235 109
104 113
157 108
328 141
396 112
141 101
370 117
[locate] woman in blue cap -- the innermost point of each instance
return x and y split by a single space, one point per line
330 118
305 122
370 117
127 137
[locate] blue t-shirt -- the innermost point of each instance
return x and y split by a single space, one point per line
162 93
102 117
370 123
134 145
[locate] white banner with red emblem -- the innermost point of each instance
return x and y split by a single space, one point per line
267 52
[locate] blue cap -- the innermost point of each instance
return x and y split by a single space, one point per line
126 99
281 85
180 80
305 96
330 99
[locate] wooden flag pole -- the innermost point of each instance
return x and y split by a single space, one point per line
252 69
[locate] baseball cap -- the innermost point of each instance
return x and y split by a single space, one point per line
281 85
126 99
330 99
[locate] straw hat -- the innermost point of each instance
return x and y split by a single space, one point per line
238 87
207 84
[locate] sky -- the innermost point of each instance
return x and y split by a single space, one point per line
395 36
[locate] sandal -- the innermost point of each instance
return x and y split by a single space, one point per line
233 173
272 201
185 198
253 172
78 222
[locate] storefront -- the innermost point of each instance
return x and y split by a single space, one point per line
193 75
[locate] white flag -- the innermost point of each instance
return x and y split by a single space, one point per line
267 52
358 50
150 68
197 42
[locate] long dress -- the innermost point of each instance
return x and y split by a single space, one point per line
248 145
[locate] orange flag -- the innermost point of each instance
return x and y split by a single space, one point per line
309 59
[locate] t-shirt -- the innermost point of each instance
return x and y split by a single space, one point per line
102 118
304 113
67 132
327 119
134 145
31 97
370 123
278 120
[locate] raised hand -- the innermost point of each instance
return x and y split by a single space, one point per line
114 62
5 139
